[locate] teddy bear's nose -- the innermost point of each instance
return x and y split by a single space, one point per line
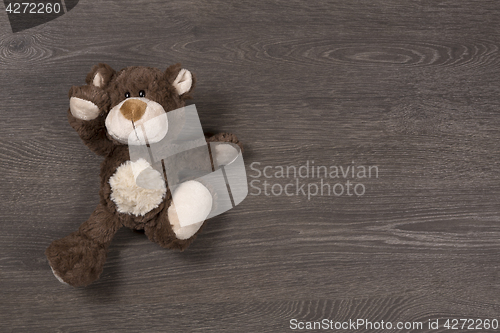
133 109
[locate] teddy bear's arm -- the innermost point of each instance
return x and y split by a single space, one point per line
87 116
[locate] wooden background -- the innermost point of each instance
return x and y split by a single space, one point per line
409 86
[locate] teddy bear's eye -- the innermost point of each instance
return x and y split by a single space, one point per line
142 93
127 94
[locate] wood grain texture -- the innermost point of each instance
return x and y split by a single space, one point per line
409 86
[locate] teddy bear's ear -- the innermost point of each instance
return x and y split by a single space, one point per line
180 78
100 75
183 82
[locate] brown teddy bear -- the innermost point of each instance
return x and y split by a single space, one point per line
104 112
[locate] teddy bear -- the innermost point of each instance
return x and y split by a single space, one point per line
107 113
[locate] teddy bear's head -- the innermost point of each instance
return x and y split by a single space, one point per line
139 98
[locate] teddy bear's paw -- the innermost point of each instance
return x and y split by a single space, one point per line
225 154
86 102
181 232
76 260
57 276
225 137
192 203
82 109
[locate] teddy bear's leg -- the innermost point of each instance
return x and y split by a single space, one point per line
162 231
78 258
194 203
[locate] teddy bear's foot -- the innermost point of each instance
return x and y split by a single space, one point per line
181 232
225 154
162 233
76 260
177 226
193 203
57 276
222 148
225 137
